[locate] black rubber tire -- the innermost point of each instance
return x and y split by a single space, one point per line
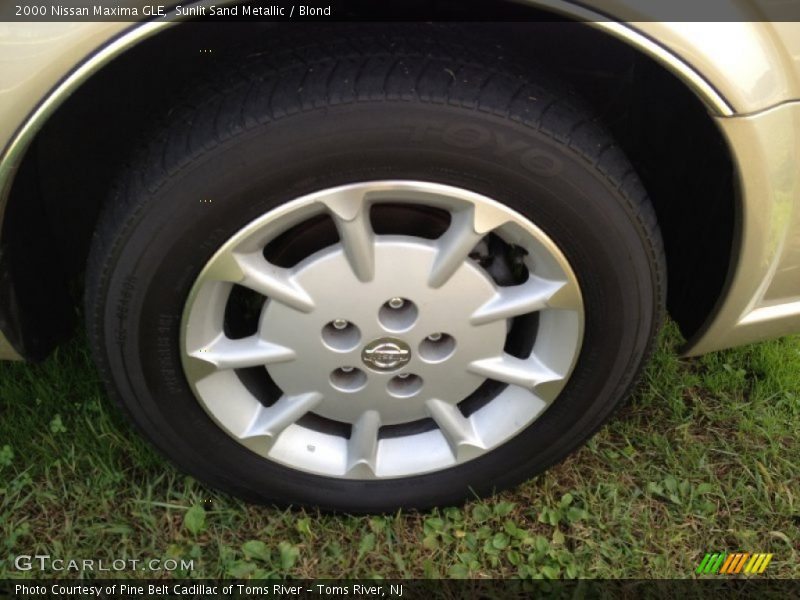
326 112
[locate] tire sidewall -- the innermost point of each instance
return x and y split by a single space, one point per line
182 221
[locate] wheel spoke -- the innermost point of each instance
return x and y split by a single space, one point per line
351 215
252 351
454 247
253 271
529 373
362 448
270 421
533 295
457 430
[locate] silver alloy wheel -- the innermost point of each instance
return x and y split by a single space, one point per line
381 330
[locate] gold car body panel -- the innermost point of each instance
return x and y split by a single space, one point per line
763 297
7 351
747 74
41 64
749 64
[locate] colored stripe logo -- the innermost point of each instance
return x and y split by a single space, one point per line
734 563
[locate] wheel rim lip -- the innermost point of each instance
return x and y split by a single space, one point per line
266 227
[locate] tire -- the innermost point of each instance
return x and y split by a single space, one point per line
422 117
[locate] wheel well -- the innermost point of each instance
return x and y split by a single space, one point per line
68 171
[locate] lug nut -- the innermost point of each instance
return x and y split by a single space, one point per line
403 375
347 369
396 303
435 337
339 323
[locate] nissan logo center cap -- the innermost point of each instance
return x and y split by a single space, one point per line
386 354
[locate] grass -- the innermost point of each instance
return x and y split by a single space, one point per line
703 458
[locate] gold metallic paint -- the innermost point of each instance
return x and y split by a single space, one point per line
7 351
763 298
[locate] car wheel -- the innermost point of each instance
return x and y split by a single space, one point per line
378 274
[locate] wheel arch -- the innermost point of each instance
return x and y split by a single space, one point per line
24 200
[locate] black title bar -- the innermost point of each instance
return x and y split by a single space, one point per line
399 10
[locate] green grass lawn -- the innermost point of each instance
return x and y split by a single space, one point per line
704 458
